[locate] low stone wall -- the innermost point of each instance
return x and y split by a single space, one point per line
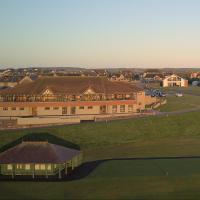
46 120
160 104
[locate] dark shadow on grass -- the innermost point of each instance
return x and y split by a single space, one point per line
87 168
41 137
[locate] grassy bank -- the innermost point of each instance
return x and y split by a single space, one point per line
120 133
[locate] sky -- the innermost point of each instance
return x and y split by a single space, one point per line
100 33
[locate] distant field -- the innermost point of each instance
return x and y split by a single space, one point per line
180 103
189 90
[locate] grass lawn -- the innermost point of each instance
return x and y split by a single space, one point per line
96 135
189 90
180 103
128 179
177 135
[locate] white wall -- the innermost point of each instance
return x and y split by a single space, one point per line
9 113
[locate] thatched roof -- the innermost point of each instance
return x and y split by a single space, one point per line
71 85
37 152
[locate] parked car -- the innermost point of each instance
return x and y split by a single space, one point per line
157 93
179 94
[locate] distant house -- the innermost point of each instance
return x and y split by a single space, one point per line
121 77
150 77
38 159
175 81
89 73
101 72
26 79
118 77
195 75
12 81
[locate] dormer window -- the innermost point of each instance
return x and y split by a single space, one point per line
89 91
47 92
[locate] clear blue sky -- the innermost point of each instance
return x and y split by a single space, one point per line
100 33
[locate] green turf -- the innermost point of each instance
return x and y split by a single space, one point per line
189 90
128 179
177 135
180 103
93 135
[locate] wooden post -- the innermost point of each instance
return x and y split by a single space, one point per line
66 168
46 171
13 171
33 175
59 174
72 165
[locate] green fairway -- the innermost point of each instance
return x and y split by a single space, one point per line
127 179
175 135
147 167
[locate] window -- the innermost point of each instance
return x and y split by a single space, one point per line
37 167
114 109
5 108
21 108
9 167
130 108
73 110
119 96
42 167
90 107
19 166
81 107
64 110
27 167
13 108
122 108
47 108
49 167
56 108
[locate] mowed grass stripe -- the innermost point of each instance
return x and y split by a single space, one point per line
103 134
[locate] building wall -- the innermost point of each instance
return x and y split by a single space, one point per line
141 101
43 111
181 83
10 112
151 100
90 110
56 109
46 120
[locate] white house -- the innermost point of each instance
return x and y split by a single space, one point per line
175 81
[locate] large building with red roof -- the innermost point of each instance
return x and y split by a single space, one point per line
71 96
